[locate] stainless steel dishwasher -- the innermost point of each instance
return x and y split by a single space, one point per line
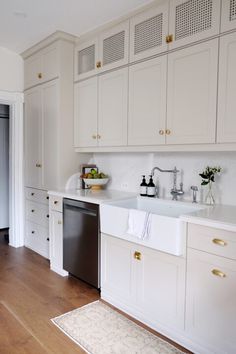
81 240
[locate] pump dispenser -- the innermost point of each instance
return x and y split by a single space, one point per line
143 187
151 189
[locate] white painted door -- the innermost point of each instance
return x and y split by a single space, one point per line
193 20
147 102
161 287
226 125
33 138
148 31
56 240
85 113
4 172
191 94
86 59
33 70
117 268
114 47
211 302
50 125
113 108
228 15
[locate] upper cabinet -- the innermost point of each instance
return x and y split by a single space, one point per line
107 51
226 132
148 31
192 20
42 66
228 15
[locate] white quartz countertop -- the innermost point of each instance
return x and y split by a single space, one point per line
92 196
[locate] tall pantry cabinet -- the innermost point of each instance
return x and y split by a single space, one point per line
49 154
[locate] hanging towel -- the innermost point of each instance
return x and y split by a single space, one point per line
137 223
147 231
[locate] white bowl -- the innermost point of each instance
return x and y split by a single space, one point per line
95 183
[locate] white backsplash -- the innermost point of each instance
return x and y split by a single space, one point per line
126 170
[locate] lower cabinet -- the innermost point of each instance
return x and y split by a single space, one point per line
211 302
151 284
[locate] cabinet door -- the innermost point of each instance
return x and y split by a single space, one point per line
147 102
226 127
193 20
33 70
85 113
161 287
56 242
114 47
228 15
50 116
148 32
50 64
86 58
33 138
117 271
211 302
112 108
191 94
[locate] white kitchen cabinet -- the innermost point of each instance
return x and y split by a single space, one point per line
147 102
226 124
148 284
228 15
193 20
108 50
100 114
42 66
191 94
148 31
113 108
211 302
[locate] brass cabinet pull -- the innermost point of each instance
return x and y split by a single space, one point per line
137 255
40 75
161 132
55 201
59 222
169 38
218 273
32 211
168 131
99 136
38 165
94 136
98 64
219 242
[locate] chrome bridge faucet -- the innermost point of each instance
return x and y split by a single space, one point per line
174 191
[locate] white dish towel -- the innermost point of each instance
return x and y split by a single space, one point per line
137 223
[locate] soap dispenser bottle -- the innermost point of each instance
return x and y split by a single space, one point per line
143 187
151 189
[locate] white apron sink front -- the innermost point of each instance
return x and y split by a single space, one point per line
168 231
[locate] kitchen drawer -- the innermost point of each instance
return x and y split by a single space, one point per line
37 213
212 240
37 238
37 195
56 203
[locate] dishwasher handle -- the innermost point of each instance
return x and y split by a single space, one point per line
81 207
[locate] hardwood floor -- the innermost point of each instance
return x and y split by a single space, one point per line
30 295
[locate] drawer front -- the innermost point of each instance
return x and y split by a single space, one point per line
212 240
56 203
37 213
37 238
37 195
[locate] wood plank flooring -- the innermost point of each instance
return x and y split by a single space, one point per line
30 295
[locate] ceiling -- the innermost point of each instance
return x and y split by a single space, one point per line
26 22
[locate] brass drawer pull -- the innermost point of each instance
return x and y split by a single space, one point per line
169 38
137 255
94 136
168 131
161 132
98 64
218 273
40 75
99 136
59 222
38 165
219 242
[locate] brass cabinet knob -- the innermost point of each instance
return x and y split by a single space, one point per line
99 136
40 75
218 273
98 64
59 222
137 255
55 202
168 131
169 38
38 165
161 132
219 242
94 136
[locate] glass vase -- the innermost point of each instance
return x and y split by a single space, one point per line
209 200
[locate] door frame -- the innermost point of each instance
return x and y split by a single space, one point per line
16 170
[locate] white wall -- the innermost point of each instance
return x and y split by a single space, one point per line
126 170
11 71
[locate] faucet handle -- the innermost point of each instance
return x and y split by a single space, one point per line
194 188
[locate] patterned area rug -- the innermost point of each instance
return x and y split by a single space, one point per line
99 329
